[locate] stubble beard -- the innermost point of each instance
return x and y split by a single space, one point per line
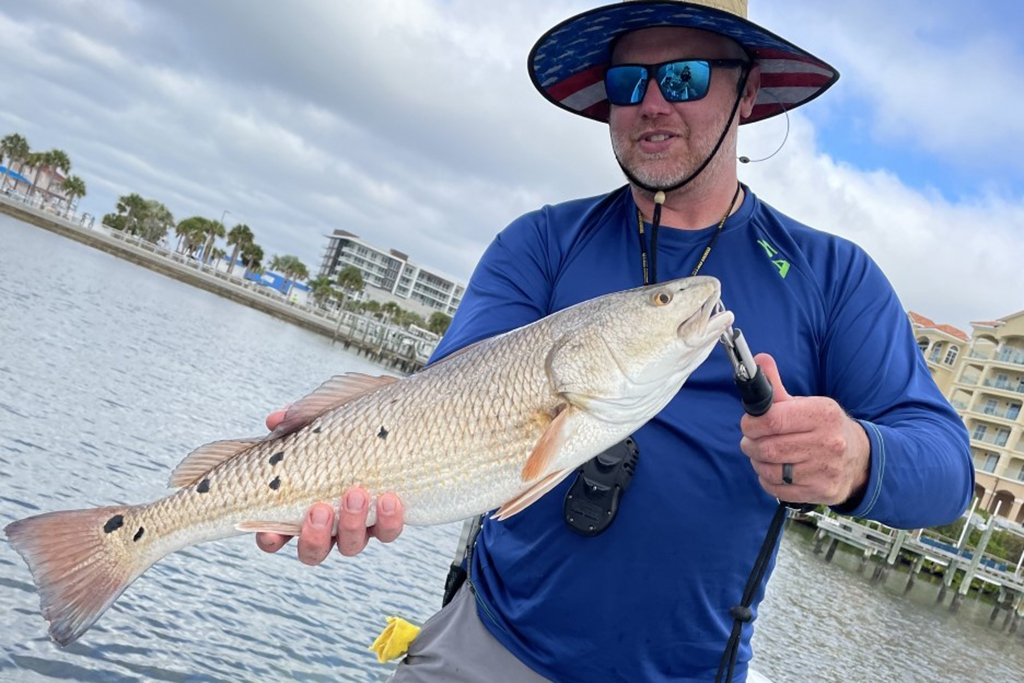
667 169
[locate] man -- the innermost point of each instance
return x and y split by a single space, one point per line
857 421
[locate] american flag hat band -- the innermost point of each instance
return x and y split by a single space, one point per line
567 63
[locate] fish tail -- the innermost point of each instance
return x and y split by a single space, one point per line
81 561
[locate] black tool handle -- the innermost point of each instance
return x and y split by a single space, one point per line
756 394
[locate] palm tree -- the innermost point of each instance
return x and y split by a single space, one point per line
322 288
15 148
407 318
252 257
133 208
390 310
74 189
295 270
372 307
350 279
214 229
36 161
439 322
56 159
240 236
217 255
193 231
291 267
155 221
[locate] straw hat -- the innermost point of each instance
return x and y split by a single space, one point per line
567 63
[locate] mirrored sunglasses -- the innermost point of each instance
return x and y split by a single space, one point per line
683 80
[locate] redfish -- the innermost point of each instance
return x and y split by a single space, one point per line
493 426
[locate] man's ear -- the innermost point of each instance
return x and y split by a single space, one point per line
750 89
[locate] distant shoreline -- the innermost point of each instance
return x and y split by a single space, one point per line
401 352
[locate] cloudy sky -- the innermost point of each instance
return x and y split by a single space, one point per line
413 124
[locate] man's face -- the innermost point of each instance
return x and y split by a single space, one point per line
659 142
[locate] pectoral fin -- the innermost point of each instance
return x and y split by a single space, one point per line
545 453
534 493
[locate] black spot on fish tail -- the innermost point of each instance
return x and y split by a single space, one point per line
138 534
114 523
276 457
204 486
383 433
276 484
316 430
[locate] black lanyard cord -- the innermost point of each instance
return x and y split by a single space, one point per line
742 613
649 265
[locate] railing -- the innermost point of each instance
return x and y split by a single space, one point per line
979 354
1010 413
1012 356
1005 386
973 379
994 440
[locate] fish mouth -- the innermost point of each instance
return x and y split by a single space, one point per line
708 321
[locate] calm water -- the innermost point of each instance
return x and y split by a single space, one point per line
109 374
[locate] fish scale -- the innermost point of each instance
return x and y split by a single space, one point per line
496 425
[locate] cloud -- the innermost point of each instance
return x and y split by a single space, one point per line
953 261
412 123
932 74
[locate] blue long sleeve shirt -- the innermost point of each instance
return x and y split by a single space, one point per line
649 599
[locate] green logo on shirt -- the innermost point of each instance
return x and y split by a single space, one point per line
781 264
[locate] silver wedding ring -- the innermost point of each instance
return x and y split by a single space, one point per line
787 473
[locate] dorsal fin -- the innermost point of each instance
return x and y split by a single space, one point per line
203 459
336 391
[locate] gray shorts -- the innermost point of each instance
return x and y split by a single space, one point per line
455 647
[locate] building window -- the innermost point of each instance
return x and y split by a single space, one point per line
1002 436
990 463
979 432
1013 411
990 407
922 344
936 351
951 355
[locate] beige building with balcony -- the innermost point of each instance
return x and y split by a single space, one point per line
983 377
941 346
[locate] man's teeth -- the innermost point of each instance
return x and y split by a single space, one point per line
657 138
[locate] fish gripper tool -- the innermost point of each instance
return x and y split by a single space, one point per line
754 387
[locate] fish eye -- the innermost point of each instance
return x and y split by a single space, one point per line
661 298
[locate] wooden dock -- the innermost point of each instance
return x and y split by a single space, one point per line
888 546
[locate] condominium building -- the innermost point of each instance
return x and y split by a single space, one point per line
391 271
941 346
984 381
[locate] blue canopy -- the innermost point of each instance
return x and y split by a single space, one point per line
17 176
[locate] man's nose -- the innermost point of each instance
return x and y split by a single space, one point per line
654 103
